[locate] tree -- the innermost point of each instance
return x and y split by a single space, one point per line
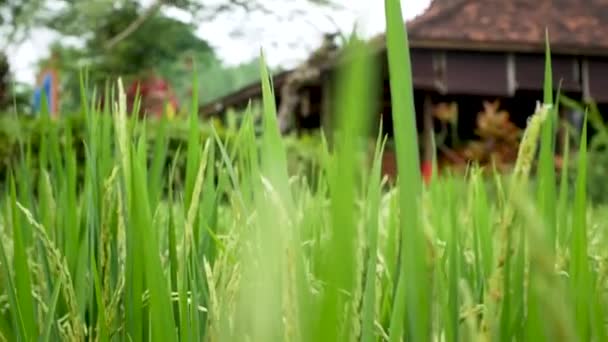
162 46
160 41
4 81
122 38
215 79
74 17
15 19
16 16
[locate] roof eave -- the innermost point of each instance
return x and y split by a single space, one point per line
568 49
247 92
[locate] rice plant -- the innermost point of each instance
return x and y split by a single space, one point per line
119 247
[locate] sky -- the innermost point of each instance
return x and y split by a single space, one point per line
238 36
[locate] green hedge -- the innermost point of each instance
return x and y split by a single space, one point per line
21 134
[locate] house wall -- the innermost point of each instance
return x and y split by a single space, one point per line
470 78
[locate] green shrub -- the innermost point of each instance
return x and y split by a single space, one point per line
20 134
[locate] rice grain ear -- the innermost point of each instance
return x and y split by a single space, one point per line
60 270
496 297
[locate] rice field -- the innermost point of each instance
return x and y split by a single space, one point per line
242 250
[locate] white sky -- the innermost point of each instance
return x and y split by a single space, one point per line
285 42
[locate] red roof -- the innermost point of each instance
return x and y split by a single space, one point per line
576 26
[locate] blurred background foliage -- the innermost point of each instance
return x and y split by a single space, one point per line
131 39
124 38
21 136
127 39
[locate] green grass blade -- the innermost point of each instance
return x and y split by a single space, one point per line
599 315
134 275
339 266
193 151
101 309
517 287
579 264
452 315
373 209
50 320
161 312
548 82
159 158
23 282
483 228
13 298
269 186
548 315
564 193
547 193
274 159
411 301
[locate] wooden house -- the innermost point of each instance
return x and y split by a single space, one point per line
471 51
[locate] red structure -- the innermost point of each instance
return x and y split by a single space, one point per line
154 94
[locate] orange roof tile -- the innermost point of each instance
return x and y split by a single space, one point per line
575 25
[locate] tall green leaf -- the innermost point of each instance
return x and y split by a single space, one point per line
340 263
580 277
372 215
547 192
22 273
411 301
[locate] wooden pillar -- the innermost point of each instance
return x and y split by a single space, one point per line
428 129
561 131
326 107
305 103
428 147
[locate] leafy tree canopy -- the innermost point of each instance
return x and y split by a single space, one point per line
161 45
123 38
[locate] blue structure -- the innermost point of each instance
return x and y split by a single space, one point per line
45 87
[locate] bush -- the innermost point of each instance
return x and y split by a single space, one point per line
23 135
19 134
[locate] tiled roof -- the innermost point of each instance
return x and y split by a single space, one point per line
575 25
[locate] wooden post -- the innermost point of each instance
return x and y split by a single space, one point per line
427 136
561 132
326 107
305 103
